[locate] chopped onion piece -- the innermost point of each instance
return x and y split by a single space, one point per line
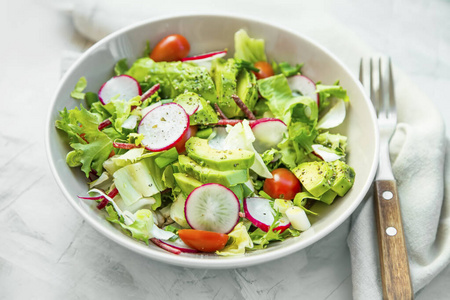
298 218
334 117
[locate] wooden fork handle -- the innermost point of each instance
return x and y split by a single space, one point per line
395 276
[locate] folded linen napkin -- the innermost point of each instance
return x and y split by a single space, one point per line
418 148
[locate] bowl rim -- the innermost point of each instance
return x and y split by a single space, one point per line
200 262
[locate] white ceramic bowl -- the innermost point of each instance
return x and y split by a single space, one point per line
207 33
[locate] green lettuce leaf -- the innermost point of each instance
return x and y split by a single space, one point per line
287 70
77 92
120 110
327 92
121 67
92 146
247 48
140 229
238 242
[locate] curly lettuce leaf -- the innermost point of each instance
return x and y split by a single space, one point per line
334 141
247 48
120 111
121 67
238 242
327 92
140 229
77 92
92 146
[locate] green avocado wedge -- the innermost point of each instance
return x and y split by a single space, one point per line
223 160
186 183
208 175
230 80
316 177
204 113
344 177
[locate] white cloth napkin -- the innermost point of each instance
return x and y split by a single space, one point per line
418 148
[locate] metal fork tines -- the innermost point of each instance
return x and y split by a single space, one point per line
381 90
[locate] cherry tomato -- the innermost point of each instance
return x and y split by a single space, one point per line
201 240
192 130
171 48
283 185
265 70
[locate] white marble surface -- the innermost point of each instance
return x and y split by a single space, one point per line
48 252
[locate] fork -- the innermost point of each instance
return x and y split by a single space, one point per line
395 276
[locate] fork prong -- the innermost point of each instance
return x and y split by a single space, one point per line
392 107
372 87
382 109
361 71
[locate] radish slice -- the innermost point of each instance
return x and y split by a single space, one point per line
91 198
124 86
334 117
206 57
165 246
303 85
268 133
212 207
147 109
325 153
163 127
261 214
180 245
130 122
298 218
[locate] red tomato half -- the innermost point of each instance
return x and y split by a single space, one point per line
201 240
171 48
265 70
192 130
283 185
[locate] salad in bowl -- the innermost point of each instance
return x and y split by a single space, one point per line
224 152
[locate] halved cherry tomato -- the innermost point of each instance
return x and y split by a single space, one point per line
192 130
171 48
201 240
265 70
283 185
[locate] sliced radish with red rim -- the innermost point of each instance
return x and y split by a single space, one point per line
268 133
163 127
206 57
123 86
303 85
180 245
261 214
212 207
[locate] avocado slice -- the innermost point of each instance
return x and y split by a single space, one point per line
316 177
199 150
208 175
246 89
328 197
224 74
186 183
344 177
204 115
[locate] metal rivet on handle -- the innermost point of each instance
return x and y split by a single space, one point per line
391 231
387 195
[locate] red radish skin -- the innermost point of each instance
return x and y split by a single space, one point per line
104 124
305 86
150 92
260 213
163 127
191 205
124 85
125 145
206 56
184 249
164 246
105 201
91 198
268 133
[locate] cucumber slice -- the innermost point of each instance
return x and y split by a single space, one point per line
212 207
